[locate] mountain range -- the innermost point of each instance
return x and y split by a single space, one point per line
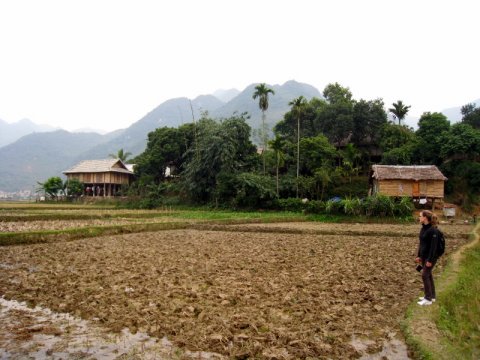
10 133
42 152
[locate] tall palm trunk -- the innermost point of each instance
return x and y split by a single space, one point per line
264 139
278 166
298 150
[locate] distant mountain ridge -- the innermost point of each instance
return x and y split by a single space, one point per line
10 133
178 111
454 114
226 95
38 156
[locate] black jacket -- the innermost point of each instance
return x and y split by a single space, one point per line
427 249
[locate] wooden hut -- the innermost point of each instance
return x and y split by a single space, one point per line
420 182
101 177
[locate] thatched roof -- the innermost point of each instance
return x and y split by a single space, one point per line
99 166
415 172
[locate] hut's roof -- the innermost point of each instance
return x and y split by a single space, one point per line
415 172
98 166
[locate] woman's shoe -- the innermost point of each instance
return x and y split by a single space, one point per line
423 297
425 302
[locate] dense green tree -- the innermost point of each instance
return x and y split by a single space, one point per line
287 127
74 187
369 117
462 142
399 156
335 93
262 92
399 110
224 149
336 119
463 185
165 147
317 152
249 190
52 187
394 136
121 155
432 128
471 115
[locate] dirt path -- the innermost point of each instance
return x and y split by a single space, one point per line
421 323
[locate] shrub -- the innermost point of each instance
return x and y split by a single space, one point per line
291 204
352 206
378 205
315 207
333 206
404 207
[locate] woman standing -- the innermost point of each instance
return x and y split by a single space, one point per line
427 254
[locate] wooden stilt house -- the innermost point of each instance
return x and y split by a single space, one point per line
101 177
420 182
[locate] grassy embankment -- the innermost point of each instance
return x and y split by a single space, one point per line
450 329
139 220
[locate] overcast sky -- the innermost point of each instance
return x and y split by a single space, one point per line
104 64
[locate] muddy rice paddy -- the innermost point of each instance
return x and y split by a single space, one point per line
249 291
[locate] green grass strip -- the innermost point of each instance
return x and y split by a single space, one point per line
79 233
450 328
458 315
32 237
93 216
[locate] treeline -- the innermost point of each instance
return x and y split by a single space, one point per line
322 148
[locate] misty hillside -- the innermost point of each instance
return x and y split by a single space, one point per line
10 133
38 156
226 95
454 114
171 113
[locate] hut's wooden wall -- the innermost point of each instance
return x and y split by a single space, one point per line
101 178
397 187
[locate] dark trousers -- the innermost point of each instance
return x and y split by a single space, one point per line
428 284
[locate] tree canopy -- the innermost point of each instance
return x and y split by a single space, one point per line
322 147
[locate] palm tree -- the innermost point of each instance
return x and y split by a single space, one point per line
277 145
323 175
262 92
121 155
351 157
298 108
399 110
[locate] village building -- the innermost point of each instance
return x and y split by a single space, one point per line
101 177
423 183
